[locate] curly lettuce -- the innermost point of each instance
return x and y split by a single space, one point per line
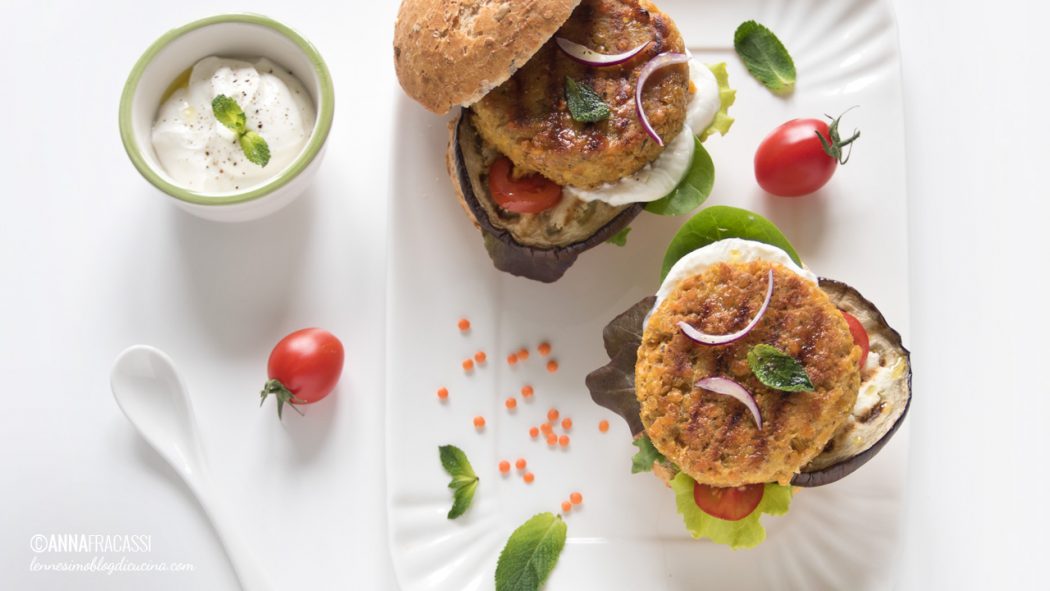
745 533
727 96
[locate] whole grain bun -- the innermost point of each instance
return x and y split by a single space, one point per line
453 52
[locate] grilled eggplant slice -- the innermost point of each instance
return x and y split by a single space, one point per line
536 246
885 391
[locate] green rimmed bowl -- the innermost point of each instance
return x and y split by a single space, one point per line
226 35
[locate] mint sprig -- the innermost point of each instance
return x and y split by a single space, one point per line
765 57
778 370
531 553
231 115
584 104
464 481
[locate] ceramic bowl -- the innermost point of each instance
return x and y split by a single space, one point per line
228 35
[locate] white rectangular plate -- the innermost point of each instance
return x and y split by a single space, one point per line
627 534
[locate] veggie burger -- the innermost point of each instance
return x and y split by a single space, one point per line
746 375
575 115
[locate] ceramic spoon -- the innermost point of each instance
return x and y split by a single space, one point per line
148 389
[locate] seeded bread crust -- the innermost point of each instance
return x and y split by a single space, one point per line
453 52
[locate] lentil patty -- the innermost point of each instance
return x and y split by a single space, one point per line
712 437
527 117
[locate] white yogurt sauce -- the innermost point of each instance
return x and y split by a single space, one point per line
202 155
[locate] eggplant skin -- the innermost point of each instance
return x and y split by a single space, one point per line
546 265
612 386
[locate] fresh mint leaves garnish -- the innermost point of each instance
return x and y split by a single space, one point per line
585 105
464 481
531 553
231 115
647 455
765 57
620 238
778 370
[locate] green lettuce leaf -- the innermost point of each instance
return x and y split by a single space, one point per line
647 455
745 533
727 95
718 223
692 191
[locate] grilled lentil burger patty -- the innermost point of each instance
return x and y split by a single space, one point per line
527 117
712 437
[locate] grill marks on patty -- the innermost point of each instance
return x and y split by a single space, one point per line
713 437
528 120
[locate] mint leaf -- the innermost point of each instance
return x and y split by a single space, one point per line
745 533
531 553
464 482
647 455
719 222
694 189
778 370
765 57
256 150
229 113
585 105
620 238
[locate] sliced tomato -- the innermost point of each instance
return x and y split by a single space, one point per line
528 194
730 504
860 336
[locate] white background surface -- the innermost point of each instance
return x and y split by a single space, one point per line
93 260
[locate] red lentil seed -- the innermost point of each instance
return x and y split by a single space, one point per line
534 432
520 464
527 391
552 366
603 426
529 477
563 441
566 506
479 422
511 403
566 424
443 393
480 357
544 348
576 498
463 324
504 467
552 415
468 365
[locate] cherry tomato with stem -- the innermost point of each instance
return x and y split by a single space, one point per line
801 156
304 367
528 194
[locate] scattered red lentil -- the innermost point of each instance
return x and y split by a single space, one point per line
464 325
603 425
504 467
511 403
534 432
544 348
468 365
527 391
529 477
523 353
552 439
479 422
563 441
520 464
566 506
480 357
552 366
512 359
443 393
566 423
546 428
576 498
552 415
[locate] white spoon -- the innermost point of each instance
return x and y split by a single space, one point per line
148 389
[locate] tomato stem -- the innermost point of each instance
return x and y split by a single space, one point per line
283 394
834 147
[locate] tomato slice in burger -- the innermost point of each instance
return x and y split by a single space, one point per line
860 336
731 504
528 194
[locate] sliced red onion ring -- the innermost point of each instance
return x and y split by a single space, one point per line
730 388
709 339
661 61
588 56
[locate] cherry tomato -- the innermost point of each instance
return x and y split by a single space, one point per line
730 504
860 336
304 367
529 194
800 157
